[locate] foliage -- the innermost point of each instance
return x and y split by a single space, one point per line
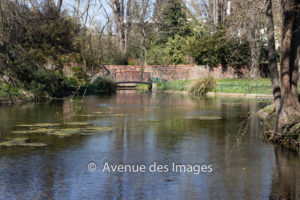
79 74
103 83
171 52
71 82
200 47
216 49
201 86
33 47
7 90
172 21
46 83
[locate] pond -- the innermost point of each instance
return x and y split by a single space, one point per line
172 147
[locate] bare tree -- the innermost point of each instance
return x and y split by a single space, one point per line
142 27
122 15
246 21
272 54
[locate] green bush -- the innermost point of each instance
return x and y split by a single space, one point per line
79 74
201 86
7 90
46 83
172 52
103 83
216 49
71 82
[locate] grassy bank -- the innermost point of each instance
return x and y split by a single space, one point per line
229 85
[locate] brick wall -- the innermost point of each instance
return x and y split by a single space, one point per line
175 72
179 72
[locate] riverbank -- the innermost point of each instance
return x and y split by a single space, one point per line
10 94
260 86
290 140
15 95
223 94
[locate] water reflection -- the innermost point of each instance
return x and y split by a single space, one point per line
152 128
284 183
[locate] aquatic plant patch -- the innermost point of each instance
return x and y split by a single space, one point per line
203 117
78 124
39 130
149 120
38 125
21 142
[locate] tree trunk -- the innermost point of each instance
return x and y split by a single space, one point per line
289 111
122 26
255 55
255 44
272 55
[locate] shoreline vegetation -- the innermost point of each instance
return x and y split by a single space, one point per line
260 86
104 85
290 140
74 86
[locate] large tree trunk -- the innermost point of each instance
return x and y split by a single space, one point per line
289 111
272 55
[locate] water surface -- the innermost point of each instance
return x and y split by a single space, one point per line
149 127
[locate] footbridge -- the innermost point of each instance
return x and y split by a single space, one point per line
126 79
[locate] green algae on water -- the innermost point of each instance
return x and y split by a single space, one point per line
104 112
148 120
78 124
203 117
96 129
66 132
21 142
38 125
40 130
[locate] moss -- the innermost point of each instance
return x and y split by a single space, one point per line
269 109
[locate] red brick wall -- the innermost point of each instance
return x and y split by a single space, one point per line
173 72
179 72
